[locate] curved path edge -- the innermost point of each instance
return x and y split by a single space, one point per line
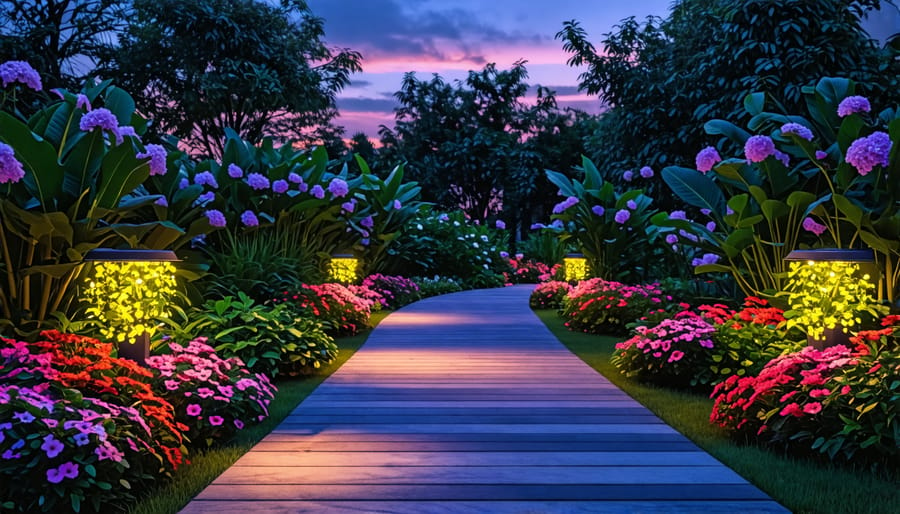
468 403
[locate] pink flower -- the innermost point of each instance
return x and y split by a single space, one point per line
707 159
239 424
810 225
758 148
812 408
193 410
817 393
867 152
792 409
10 168
676 356
216 420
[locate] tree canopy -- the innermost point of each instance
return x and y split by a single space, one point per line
201 66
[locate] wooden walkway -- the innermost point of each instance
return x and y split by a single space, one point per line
467 403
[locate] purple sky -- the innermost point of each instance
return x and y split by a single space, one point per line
450 37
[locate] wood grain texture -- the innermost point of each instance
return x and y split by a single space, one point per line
467 403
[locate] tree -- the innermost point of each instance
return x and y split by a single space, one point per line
464 142
62 39
665 78
201 66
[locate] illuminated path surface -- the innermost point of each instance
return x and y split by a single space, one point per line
467 403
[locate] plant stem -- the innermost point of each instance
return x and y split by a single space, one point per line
10 274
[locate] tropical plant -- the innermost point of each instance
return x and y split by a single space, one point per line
608 227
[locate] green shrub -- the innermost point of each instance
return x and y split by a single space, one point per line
598 306
549 295
436 286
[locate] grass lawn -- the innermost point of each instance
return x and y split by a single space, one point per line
207 465
801 486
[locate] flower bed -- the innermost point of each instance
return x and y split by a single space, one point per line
599 306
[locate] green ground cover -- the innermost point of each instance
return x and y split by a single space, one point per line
801 486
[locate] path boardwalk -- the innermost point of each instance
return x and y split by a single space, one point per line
467 403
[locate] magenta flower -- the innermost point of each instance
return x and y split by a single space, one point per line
757 148
707 159
235 171
622 216
628 175
239 424
157 155
21 72
797 130
852 105
52 447
867 152
108 451
216 420
216 218
598 210
676 355
11 169
249 219
500 225
257 181
647 172
367 222
338 188
206 178
317 191
810 225
280 186
82 102
193 410
100 118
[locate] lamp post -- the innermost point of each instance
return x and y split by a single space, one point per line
128 290
575 266
343 268
828 290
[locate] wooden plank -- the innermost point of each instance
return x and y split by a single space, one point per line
522 437
477 446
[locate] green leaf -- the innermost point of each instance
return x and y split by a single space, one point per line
121 173
694 188
120 104
754 103
727 129
37 156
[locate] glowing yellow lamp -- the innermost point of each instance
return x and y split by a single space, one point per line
575 266
343 268
828 291
129 289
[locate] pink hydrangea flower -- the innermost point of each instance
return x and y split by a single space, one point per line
707 159
810 225
758 148
11 169
867 152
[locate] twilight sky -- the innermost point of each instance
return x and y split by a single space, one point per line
450 37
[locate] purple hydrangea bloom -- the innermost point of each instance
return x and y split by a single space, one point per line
678 215
82 102
757 148
98 118
161 201
205 198
711 226
565 204
707 159
216 218
622 216
728 210
317 191
867 152
537 226
348 206
810 225
783 157
183 183
206 178
249 219
647 172
257 181
338 188
11 169
124 130
798 130
500 224
820 155
157 155
708 258
628 175
367 222
687 235
235 171
294 178
631 204
598 210
671 239
852 105
397 205
280 186
706 212
21 72
303 187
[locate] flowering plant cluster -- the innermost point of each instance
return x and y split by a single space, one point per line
78 426
826 180
437 285
528 271
549 295
395 291
599 306
838 403
668 353
213 397
339 310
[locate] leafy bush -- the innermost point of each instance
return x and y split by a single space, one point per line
336 307
528 271
436 286
542 246
213 397
669 353
395 291
549 295
839 403
598 306
269 339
